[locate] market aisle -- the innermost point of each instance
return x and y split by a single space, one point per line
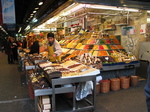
13 94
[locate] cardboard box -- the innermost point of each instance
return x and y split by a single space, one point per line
45 99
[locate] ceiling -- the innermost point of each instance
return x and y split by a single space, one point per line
24 8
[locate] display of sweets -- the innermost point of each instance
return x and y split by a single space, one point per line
98 44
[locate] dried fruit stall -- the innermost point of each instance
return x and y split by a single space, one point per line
96 48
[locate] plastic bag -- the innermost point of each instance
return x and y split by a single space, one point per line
84 89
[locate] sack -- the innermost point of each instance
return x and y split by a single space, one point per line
84 89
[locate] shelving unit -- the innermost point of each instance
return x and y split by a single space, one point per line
61 81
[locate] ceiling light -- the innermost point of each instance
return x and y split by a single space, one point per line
19 29
40 3
34 20
124 5
34 11
36 29
36 8
31 14
148 20
28 27
110 8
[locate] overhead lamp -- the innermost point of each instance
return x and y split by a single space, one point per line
19 29
34 11
148 11
36 29
34 20
52 20
41 2
28 27
148 20
36 8
32 14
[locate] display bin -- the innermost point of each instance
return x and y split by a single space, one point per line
115 84
97 88
104 86
125 82
134 80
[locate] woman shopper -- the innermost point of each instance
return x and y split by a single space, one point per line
8 50
15 50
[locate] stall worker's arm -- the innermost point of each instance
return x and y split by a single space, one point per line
57 48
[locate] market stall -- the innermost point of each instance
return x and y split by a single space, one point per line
94 38
46 79
51 78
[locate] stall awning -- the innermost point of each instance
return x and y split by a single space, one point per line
140 4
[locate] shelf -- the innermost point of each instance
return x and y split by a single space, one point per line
96 50
107 49
90 20
42 92
121 24
109 29
97 24
120 66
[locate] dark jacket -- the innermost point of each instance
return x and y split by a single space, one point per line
24 44
35 48
8 49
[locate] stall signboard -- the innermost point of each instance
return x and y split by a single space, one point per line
8 11
129 30
10 27
143 29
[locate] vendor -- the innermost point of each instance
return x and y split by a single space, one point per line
54 49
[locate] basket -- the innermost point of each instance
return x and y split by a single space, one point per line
115 84
125 82
134 80
104 86
97 88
